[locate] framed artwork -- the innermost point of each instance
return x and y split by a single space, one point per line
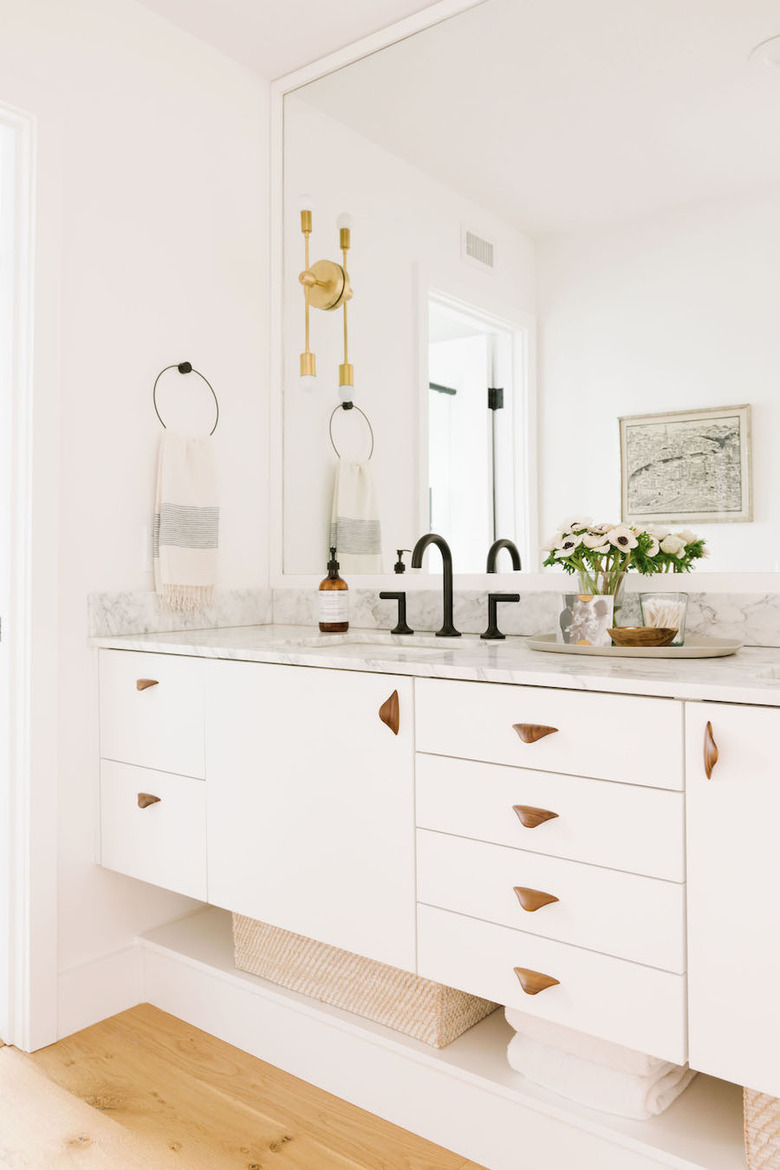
687 466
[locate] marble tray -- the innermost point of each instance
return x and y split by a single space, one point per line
693 648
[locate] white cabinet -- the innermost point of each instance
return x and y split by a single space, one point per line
311 805
734 893
599 861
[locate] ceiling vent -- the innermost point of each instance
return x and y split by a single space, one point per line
477 250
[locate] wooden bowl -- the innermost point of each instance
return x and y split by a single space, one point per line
642 635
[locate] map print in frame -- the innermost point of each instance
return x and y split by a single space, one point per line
687 466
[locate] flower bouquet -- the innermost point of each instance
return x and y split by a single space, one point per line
601 555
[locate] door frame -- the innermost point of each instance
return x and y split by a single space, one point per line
28 860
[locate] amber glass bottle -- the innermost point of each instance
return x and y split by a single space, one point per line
334 600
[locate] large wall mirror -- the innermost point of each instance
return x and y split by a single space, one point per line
576 204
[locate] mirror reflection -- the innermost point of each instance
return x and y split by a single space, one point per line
579 208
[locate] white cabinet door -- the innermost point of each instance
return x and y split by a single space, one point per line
311 804
734 893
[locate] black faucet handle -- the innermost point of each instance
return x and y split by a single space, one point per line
493 632
401 627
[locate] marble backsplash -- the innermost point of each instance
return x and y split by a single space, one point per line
139 612
751 618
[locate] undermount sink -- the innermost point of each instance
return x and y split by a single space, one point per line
369 641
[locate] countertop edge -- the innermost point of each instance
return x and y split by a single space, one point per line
736 679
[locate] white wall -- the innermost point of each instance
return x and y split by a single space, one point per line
674 313
151 249
405 239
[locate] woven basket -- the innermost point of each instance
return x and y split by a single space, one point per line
420 1008
762 1130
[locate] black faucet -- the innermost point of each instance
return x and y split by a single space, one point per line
448 629
495 549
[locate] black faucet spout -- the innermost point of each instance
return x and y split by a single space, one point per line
495 549
448 628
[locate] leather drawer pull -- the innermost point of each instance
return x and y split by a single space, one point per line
710 751
531 732
532 982
532 817
533 899
143 684
146 798
389 713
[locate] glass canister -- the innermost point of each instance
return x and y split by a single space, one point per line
665 609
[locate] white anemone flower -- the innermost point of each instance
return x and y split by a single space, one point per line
594 540
622 537
652 548
576 523
688 536
568 545
553 542
657 531
673 545
603 529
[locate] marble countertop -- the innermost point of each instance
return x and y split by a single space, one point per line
750 676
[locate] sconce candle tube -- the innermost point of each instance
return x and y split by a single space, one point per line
308 359
346 369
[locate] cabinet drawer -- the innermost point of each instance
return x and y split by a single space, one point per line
638 1006
158 726
636 918
606 736
163 843
620 826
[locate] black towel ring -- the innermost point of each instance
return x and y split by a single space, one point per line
349 406
184 368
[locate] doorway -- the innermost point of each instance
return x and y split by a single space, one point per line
16 252
477 390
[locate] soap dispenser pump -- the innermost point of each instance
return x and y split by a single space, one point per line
333 600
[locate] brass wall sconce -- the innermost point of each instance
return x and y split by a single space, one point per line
326 286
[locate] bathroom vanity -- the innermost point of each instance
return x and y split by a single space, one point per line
494 819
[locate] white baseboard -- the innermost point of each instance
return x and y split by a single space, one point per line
93 991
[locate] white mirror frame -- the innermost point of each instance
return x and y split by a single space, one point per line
699 581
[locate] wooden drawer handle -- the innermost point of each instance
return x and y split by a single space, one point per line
533 899
710 751
530 732
389 713
143 684
532 817
532 982
146 798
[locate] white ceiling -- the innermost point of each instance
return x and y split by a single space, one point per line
552 114
556 114
275 37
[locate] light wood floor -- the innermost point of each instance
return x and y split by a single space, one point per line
218 1108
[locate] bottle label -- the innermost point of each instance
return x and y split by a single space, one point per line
334 605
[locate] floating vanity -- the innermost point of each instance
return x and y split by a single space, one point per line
251 769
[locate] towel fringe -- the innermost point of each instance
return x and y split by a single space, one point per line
185 598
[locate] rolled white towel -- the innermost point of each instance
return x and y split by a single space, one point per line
595 1085
605 1052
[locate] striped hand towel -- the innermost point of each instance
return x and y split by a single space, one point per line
186 523
355 531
